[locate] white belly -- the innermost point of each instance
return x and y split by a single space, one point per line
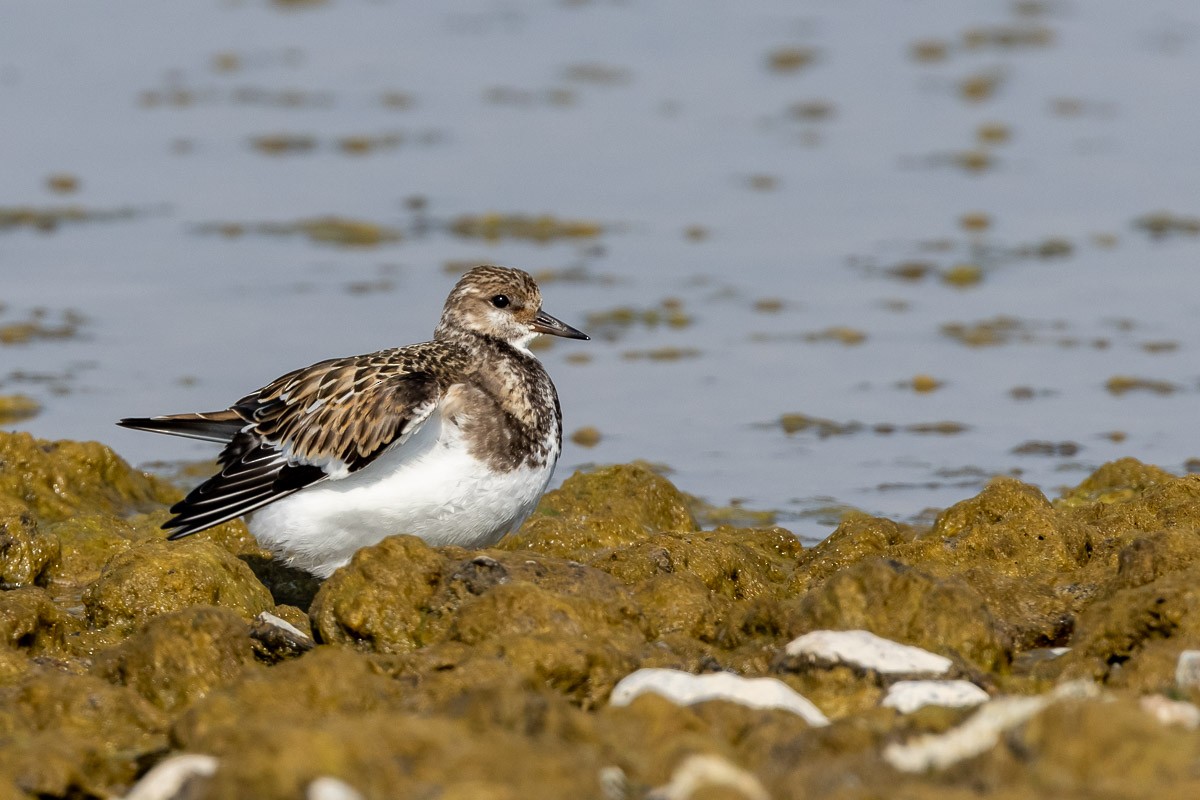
430 486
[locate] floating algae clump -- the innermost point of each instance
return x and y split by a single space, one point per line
443 672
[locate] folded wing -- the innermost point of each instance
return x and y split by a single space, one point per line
321 423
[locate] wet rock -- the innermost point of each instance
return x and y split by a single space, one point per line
56 479
855 539
74 735
1008 528
606 508
978 734
1088 748
381 599
276 639
179 657
1134 637
162 577
31 622
25 550
735 563
890 599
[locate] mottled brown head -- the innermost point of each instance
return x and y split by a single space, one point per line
501 303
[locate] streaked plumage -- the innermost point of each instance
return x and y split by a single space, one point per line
453 440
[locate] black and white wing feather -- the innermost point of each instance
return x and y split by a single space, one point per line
324 422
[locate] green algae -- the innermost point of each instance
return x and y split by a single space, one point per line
161 577
181 656
475 674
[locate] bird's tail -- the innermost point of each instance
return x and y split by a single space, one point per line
214 426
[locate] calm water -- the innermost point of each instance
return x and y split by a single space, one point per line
794 180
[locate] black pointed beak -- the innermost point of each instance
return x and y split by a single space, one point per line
544 323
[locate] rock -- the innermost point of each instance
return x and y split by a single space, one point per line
178 658
276 639
1009 528
30 621
700 775
683 688
909 696
1133 637
944 615
161 577
735 563
1171 712
609 507
25 550
380 599
1187 669
864 650
54 480
978 734
169 779
74 735
327 788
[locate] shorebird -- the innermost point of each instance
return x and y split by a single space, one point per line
453 440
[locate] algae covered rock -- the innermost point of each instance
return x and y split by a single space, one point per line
738 563
606 508
438 671
1009 528
381 598
902 603
54 480
162 577
1134 636
26 551
179 657
30 621
74 735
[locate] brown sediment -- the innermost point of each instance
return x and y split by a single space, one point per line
455 673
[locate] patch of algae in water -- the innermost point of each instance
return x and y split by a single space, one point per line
485 674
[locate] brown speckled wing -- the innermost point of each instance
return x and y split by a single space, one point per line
325 421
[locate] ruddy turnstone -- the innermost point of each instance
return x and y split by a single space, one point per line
452 440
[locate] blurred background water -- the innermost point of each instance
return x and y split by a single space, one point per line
833 254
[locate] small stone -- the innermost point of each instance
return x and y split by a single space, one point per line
327 788
277 639
865 650
684 688
1187 669
698 774
908 696
1172 712
169 778
978 734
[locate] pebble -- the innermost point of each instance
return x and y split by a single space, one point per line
684 688
1187 669
168 778
1172 712
698 773
865 650
327 788
908 696
978 734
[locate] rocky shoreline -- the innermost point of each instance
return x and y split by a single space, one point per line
1017 648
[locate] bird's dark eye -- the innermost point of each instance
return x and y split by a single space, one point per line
501 301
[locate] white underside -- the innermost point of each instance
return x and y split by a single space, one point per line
430 486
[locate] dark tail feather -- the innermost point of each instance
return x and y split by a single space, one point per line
218 426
